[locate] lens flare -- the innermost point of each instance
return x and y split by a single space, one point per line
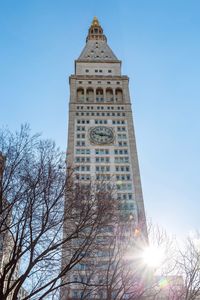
163 282
153 256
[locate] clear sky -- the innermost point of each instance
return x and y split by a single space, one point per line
159 45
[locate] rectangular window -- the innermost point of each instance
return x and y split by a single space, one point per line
129 186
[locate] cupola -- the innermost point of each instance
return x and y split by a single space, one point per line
95 31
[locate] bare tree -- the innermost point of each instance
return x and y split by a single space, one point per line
118 271
33 188
188 267
47 243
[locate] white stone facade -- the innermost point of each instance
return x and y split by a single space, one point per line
99 98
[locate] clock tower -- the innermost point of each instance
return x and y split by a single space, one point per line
101 138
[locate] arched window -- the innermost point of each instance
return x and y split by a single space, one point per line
90 95
118 95
109 95
99 95
80 94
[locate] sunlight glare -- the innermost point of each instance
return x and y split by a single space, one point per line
153 256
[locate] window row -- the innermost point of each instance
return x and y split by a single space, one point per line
80 136
100 107
119 122
125 196
121 128
101 121
101 151
122 169
83 176
103 114
82 151
122 144
102 168
83 168
102 176
99 82
124 186
107 169
80 128
122 136
121 159
78 121
97 70
102 159
120 151
80 143
123 177
82 159
83 121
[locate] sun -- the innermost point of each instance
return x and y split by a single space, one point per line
153 256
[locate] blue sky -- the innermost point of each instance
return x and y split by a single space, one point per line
159 45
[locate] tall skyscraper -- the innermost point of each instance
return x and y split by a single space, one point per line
101 138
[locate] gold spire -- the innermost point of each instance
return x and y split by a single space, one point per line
95 31
95 22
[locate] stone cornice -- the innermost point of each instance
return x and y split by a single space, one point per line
98 77
97 61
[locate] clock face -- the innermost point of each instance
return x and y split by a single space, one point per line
101 135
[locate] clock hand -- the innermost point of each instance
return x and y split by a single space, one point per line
105 134
99 133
